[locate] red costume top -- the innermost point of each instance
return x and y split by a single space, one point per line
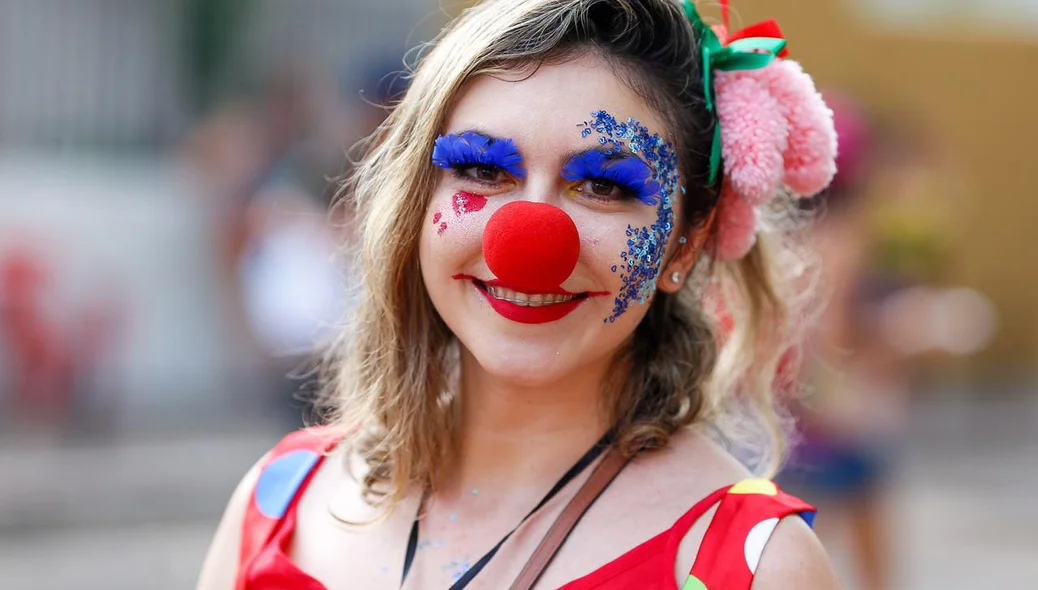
746 516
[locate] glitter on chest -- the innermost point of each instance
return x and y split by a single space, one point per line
641 261
458 568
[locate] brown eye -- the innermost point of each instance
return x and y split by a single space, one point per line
484 173
601 189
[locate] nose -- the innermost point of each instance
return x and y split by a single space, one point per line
532 247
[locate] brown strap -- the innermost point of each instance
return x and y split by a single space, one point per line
596 483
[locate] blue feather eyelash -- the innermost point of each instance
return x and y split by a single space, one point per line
628 172
469 148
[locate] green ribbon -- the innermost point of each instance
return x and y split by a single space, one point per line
752 53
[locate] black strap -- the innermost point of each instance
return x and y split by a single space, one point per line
581 464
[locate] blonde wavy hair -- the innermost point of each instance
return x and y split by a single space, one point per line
389 376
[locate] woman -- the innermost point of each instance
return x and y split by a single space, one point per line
537 221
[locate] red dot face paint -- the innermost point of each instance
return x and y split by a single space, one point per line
442 224
464 202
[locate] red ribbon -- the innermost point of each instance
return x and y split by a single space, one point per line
768 28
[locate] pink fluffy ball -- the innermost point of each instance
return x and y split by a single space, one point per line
810 157
754 136
736 226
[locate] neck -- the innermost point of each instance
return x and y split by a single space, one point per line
517 437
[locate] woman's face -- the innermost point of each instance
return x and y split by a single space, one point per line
544 238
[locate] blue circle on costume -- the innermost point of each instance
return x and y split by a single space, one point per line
280 480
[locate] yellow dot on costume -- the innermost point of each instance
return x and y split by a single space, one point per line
754 486
693 583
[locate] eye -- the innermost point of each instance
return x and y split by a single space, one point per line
482 173
603 190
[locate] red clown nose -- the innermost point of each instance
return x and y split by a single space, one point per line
531 247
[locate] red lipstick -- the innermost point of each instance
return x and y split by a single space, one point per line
525 314
532 315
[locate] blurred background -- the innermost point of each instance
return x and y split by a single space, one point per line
166 260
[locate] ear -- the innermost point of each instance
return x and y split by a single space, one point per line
684 259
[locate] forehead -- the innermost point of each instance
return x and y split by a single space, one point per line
544 111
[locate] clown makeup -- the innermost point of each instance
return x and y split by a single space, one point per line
612 172
608 175
462 202
479 159
477 156
557 219
652 183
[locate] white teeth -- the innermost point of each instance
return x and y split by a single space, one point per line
527 300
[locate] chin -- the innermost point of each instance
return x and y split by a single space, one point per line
522 364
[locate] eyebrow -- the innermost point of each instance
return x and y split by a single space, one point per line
484 134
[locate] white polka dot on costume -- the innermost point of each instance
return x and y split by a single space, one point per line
756 540
280 479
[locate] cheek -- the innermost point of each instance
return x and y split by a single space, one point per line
640 258
457 209
602 243
453 229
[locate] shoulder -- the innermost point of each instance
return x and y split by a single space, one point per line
754 512
336 489
689 468
266 489
665 484
794 558
704 469
703 458
290 467
220 568
760 536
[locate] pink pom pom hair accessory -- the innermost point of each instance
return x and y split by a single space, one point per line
774 132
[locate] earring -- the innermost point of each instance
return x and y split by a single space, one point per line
675 277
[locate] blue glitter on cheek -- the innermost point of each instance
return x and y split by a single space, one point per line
645 245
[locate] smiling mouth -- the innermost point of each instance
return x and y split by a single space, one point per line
527 299
528 308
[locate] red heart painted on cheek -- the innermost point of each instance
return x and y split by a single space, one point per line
464 202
